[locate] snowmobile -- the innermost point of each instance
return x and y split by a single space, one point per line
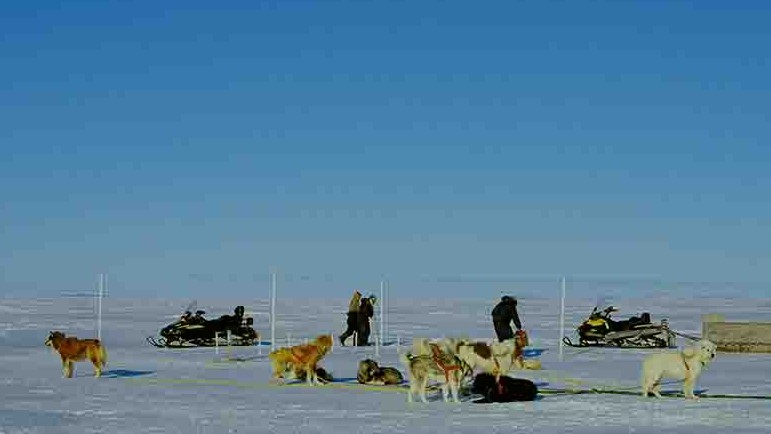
196 331
600 330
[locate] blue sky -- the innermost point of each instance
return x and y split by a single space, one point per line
187 147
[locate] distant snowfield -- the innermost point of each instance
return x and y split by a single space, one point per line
151 390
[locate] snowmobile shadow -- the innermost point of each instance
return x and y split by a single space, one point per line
125 373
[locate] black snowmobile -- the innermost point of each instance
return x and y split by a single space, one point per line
196 331
600 330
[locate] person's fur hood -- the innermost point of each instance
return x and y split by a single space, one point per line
353 306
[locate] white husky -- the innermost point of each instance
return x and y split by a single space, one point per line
683 365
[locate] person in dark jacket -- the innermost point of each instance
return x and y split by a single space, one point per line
503 314
366 311
199 317
352 319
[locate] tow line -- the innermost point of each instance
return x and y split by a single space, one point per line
595 391
402 388
254 385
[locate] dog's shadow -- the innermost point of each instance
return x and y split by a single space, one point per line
479 399
334 380
125 373
345 380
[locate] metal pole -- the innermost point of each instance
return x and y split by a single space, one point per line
386 306
377 347
382 310
385 310
229 348
99 307
562 320
272 311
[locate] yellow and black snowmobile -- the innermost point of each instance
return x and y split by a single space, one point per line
197 331
600 330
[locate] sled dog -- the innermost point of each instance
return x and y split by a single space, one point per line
440 366
497 358
507 389
72 349
682 365
301 358
371 373
322 374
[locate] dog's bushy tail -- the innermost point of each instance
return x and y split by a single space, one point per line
101 353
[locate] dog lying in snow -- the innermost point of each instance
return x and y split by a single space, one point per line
683 365
507 389
322 375
370 373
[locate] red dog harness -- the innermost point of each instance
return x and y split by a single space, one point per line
437 358
519 345
685 362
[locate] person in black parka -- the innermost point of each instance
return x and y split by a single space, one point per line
366 311
503 314
352 317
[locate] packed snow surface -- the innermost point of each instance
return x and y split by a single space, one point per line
151 390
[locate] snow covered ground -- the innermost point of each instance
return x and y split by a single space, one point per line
151 390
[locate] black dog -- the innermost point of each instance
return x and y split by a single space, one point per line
322 374
508 390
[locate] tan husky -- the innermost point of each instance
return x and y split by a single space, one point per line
440 366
